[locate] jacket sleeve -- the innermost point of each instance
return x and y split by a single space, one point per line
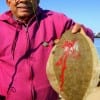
64 23
89 32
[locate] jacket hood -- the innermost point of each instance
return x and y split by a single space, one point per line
7 17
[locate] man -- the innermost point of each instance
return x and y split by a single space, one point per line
27 35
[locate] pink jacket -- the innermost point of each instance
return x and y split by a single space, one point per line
23 54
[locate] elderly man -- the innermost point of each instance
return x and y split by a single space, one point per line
27 35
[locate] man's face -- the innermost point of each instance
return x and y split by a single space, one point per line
22 8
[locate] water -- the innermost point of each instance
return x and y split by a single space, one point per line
97 45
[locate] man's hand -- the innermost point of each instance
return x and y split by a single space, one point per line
77 28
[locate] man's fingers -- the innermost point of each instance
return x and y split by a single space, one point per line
56 41
76 28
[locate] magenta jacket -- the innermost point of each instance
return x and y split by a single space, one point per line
24 52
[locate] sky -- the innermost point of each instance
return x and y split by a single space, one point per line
86 12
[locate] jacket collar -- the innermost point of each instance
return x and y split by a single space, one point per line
8 17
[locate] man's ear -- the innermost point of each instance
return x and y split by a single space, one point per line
38 1
7 2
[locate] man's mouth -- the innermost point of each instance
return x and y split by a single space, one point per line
24 6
